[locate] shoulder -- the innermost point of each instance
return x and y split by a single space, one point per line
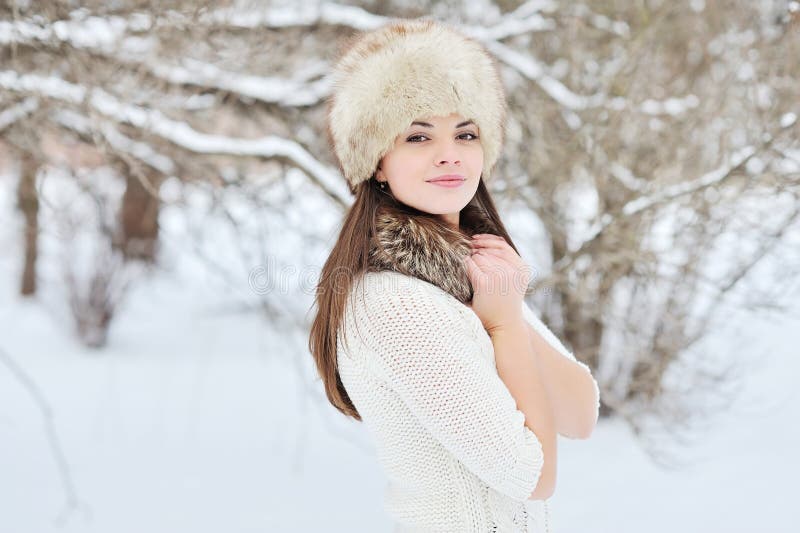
383 280
389 285
388 302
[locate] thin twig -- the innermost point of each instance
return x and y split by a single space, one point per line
72 499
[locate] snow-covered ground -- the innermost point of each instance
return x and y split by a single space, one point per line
198 418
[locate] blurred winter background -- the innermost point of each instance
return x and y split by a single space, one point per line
167 199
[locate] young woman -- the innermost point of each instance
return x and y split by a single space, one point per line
421 329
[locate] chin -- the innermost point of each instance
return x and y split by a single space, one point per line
439 205
450 207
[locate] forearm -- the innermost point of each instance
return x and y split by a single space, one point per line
517 366
569 386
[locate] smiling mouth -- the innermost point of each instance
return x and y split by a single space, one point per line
447 177
448 184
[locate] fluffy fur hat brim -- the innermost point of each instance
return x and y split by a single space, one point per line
389 77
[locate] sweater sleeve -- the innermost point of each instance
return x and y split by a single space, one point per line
420 347
554 341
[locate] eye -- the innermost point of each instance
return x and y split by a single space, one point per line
419 135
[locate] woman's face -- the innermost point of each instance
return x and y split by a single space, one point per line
429 148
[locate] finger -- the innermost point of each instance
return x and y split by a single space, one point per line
479 267
492 243
495 245
473 270
490 262
506 253
481 259
497 264
513 262
493 252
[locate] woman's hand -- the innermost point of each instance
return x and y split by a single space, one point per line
499 279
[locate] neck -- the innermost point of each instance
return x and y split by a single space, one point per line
423 247
452 219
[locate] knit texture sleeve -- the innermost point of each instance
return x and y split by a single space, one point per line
420 347
554 341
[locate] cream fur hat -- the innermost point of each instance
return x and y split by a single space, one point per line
405 70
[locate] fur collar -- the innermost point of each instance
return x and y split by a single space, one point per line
422 245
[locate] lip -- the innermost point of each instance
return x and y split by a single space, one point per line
448 180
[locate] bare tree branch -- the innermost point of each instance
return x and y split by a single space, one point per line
73 501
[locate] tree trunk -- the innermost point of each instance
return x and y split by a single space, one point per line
138 234
28 203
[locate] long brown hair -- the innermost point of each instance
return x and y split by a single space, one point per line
349 259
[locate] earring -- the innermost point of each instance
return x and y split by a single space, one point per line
382 185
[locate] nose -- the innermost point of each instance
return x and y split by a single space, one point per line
448 153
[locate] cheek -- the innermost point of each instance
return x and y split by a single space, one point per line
476 158
404 164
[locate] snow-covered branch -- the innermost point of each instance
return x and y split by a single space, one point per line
296 91
627 178
180 133
670 106
524 19
529 67
298 14
667 195
140 150
736 160
600 22
16 112
80 31
108 36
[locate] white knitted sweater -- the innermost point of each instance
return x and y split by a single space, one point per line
419 367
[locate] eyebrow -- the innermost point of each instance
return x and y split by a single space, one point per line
426 125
